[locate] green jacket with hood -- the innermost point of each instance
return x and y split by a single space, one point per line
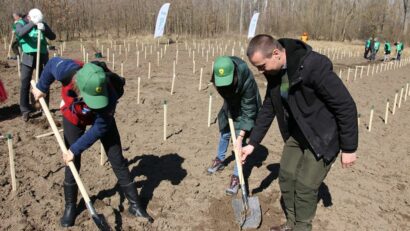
244 103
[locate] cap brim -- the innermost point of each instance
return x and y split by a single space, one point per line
95 102
223 81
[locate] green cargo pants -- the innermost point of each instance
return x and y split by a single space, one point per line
300 176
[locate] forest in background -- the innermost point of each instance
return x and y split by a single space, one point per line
333 20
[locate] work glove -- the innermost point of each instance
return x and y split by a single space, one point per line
40 26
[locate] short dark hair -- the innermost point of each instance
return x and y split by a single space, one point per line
263 43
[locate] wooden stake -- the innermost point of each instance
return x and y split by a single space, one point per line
358 119
193 67
138 58
176 57
209 109
139 87
401 95
386 114
149 70
11 42
371 118
361 72
122 69
108 54
103 154
157 58
355 73
200 80
348 74
113 61
47 134
395 102
407 90
11 158
165 120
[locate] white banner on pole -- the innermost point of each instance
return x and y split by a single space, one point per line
161 20
252 25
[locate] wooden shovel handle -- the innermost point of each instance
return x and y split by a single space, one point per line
38 55
62 146
237 155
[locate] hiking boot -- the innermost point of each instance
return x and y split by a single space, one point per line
25 116
283 227
233 186
217 165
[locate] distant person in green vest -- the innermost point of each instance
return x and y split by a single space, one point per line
234 81
375 49
387 51
15 44
367 47
26 33
399 49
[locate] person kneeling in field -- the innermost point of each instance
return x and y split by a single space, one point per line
90 95
235 83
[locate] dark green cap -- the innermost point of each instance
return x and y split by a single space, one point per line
223 71
92 83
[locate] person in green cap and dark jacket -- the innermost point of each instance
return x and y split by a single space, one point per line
26 34
317 118
89 98
234 81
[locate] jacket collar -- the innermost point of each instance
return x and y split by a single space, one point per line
296 52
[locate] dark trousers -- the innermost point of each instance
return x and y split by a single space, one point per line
300 176
366 52
26 76
15 48
112 145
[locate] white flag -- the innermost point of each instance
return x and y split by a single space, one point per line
161 20
252 25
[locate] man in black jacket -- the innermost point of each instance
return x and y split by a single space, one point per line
317 119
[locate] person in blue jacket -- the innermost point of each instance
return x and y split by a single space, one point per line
89 98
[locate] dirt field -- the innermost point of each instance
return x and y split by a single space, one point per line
373 195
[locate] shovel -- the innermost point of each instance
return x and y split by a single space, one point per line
99 220
248 210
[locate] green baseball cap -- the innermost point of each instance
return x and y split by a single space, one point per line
92 83
223 71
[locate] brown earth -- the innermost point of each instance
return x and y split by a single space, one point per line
372 195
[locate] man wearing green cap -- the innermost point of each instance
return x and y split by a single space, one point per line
89 98
235 83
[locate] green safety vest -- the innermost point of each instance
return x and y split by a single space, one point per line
28 42
367 44
399 47
376 45
387 46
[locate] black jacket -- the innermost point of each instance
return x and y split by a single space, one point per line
319 102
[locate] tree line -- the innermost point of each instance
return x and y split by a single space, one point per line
335 20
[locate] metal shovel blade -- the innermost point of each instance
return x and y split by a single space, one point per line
101 222
250 218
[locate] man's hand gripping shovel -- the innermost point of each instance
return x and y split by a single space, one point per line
248 210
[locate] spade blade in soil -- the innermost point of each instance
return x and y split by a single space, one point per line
101 222
250 218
